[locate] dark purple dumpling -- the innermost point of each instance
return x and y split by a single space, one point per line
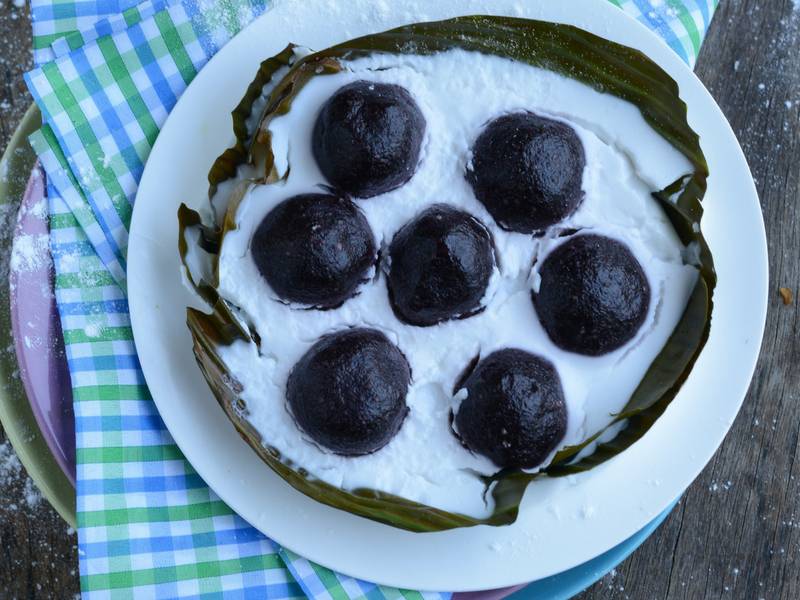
367 138
593 296
527 171
348 392
514 412
440 265
314 249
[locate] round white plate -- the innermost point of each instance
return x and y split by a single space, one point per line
562 522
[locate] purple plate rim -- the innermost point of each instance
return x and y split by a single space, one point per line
44 375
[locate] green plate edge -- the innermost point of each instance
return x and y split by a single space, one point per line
16 414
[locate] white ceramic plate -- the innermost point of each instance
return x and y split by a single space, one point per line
562 523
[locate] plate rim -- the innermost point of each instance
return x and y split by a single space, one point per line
16 414
29 357
600 565
667 60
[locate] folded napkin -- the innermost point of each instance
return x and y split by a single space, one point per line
108 73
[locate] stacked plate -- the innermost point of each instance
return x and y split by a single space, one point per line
35 395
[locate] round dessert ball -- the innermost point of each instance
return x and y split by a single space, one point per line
440 265
527 171
314 249
367 138
593 296
348 392
514 412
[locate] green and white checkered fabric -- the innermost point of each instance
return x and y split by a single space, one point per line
109 72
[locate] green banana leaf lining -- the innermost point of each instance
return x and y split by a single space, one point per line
607 67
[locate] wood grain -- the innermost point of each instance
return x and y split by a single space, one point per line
736 532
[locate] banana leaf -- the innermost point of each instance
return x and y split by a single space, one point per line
605 66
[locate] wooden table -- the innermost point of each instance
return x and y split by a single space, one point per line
736 532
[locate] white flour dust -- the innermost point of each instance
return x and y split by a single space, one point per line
10 471
29 252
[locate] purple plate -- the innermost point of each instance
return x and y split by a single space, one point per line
38 340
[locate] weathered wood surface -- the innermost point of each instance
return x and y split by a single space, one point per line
736 532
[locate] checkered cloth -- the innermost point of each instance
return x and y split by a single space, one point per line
109 72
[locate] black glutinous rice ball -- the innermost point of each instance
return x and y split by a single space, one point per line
527 171
348 391
367 138
593 295
440 264
514 413
314 249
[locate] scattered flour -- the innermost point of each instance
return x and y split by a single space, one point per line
724 486
69 263
32 494
613 581
11 470
10 466
39 210
93 330
29 253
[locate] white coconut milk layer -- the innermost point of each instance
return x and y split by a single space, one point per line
459 92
